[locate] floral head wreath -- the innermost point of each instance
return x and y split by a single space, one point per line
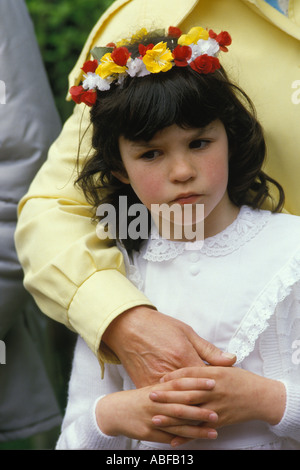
198 49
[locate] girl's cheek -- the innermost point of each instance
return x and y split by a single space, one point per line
152 188
217 173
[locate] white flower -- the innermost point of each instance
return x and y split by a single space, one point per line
137 68
92 81
210 47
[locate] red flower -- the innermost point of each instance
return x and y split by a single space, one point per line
181 55
90 66
89 97
143 49
120 55
174 32
80 95
205 64
76 92
224 39
111 44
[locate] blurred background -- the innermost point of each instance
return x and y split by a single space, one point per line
62 27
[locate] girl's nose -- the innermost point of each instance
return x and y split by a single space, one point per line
182 169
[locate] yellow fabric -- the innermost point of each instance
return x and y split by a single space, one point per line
60 251
75 278
294 11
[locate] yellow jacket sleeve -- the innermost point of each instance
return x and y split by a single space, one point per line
74 277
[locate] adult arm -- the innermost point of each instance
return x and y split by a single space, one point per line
74 277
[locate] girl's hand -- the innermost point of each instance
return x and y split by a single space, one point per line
130 413
238 396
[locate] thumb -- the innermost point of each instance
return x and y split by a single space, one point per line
211 354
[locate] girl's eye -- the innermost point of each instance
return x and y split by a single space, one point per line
199 144
150 155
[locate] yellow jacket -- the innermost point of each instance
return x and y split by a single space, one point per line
74 277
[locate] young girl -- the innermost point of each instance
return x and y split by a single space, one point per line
170 129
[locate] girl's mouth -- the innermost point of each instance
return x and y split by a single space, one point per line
186 199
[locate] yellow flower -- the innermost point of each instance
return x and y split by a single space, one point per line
193 36
158 59
108 67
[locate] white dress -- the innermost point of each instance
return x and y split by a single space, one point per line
239 290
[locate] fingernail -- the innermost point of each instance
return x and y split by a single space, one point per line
175 443
228 355
210 383
212 434
213 417
153 396
156 421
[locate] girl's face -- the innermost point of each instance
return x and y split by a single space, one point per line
182 166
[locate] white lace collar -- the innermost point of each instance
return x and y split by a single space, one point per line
248 223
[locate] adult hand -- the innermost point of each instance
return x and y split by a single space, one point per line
150 344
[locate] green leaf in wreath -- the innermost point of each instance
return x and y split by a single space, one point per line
99 52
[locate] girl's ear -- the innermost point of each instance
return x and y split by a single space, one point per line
121 176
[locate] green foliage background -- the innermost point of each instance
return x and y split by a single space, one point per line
62 27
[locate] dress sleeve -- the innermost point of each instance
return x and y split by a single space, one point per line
283 363
79 428
75 278
289 426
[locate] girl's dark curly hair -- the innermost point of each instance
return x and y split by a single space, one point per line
143 106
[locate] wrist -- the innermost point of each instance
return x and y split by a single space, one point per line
125 326
104 416
273 401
